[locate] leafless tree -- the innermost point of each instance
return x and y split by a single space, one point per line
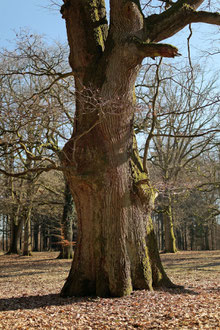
181 121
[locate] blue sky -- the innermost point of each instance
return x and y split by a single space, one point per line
16 14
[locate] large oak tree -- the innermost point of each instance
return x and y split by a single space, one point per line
116 249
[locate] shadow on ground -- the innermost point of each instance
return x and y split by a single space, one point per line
32 302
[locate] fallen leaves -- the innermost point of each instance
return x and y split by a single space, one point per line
30 286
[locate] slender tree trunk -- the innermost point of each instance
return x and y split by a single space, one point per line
206 238
16 229
66 246
213 234
44 237
7 233
217 235
36 237
192 239
170 240
27 249
179 239
16 220
162 232
185 238
3 232
41 238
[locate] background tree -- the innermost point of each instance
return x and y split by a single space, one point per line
182 108
68 227
35 119
197 211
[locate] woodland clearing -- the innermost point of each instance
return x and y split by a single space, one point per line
30 287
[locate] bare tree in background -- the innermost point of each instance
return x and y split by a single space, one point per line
183 110
34 123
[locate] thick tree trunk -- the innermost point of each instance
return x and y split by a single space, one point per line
116 249
111 256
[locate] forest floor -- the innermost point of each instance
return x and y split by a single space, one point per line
30 286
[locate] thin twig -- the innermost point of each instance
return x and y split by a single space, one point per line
188 48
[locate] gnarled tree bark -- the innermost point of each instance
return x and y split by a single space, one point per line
116 249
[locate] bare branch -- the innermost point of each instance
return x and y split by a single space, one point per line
176 18
189 135
38 170
153 49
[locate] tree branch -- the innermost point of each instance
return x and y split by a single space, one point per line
61 76
145 49
188 135
205 17
32 170
164 25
